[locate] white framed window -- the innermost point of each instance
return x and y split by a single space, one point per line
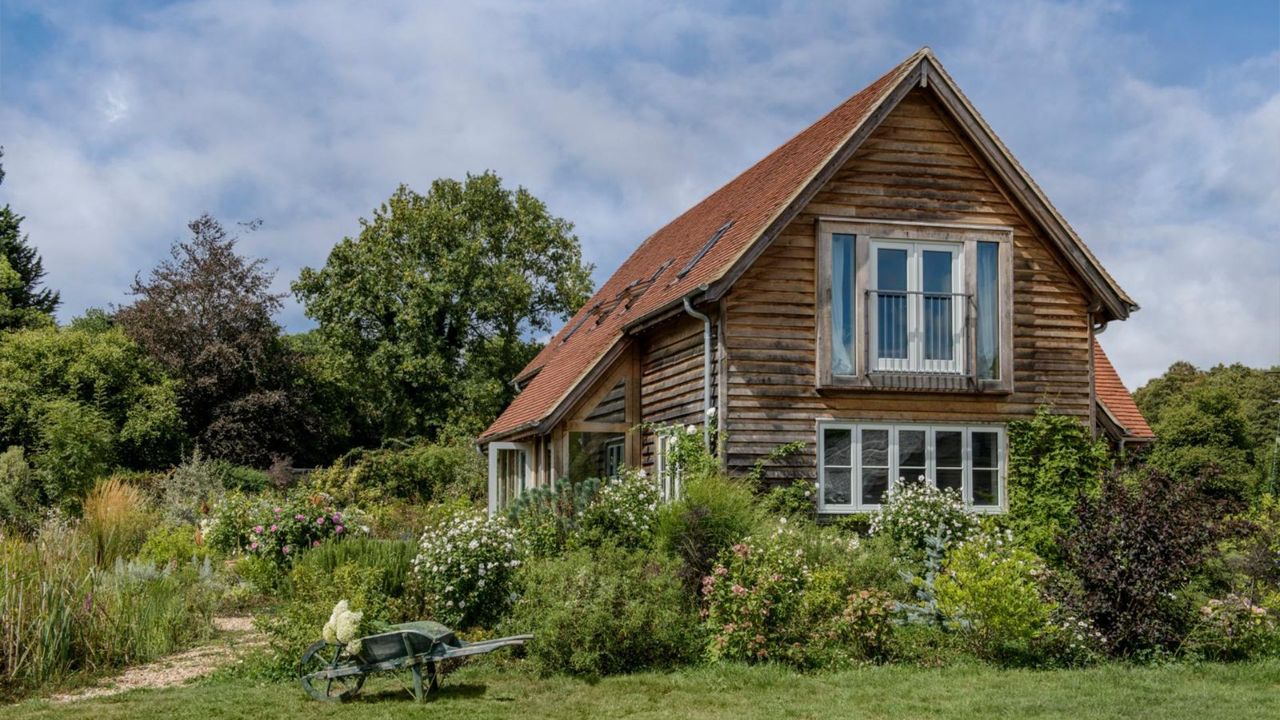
859 463
916 306
666 470
907 305
508 473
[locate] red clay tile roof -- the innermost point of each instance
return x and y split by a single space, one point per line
647 282
1115 398
750 200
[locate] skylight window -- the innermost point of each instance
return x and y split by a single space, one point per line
711 242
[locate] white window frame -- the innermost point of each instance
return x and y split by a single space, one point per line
855 495
665 471
915 360
522 484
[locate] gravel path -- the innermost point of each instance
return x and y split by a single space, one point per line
235 636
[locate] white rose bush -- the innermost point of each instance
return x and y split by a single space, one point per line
464 570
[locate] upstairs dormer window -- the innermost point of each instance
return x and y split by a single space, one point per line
914 307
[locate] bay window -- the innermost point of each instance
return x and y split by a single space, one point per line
860 463
914 306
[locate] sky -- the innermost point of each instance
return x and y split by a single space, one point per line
1154 127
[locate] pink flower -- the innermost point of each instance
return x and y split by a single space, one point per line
285 549
337 517
299 517
274 528
738 590
320 520
337 530
258 529
253 545
315 543
278 511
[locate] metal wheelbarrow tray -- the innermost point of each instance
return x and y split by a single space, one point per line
328 672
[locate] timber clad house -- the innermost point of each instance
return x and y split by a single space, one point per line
889 287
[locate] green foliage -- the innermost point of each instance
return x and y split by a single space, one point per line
392 559
91 396
915 512
464 568
76 447
279 530
422 473
20 492
171 545
713 513
1243 431
605 611
621 511
194 485
1053 460
429 309
990 592
1205 436
791 596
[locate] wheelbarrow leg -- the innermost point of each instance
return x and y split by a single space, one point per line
435 676
418 695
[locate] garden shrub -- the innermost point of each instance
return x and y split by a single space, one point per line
1132 547
1053 459
789 596
546 517
990 592
116 518
194 485
76 446
172 545
714 512
914 512
464 569
1234 628
392 559
605 611
420 473
623 512
20 494
278 530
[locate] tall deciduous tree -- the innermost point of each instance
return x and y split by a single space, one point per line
436 305
23 303
205 314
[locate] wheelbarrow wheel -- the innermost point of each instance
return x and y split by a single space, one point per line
320 657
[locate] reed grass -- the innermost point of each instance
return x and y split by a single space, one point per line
63 617
116 520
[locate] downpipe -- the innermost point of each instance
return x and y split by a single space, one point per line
706 371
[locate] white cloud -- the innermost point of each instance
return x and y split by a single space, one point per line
620 115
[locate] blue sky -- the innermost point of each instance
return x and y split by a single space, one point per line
1154 127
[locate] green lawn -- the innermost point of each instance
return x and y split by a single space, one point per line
1235 692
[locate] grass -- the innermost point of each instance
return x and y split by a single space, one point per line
484 690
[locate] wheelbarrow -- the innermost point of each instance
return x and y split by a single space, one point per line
328 672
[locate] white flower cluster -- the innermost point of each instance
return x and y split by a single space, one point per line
344 627
464 567
914 512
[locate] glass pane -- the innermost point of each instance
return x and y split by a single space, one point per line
950 478
987 299
911 450
937 271
949 450
875 482
891 269
835 486
875 448
837 447
986 450
939 338
985 490
842 304
891 303
594 455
